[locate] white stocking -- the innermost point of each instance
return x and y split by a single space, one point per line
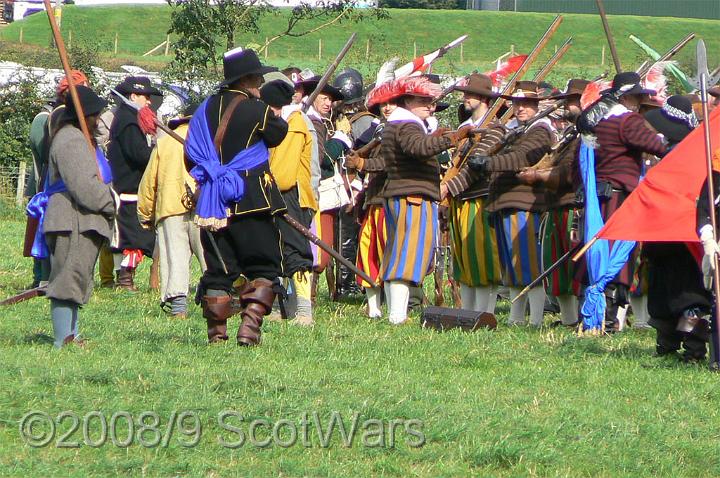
467 296
485 298
536 297
568 309
639 307
517 308
373 298
397 294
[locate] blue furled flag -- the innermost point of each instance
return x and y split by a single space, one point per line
603 264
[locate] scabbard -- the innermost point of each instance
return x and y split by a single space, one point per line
31 226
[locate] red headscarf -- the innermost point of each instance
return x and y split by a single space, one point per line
78 77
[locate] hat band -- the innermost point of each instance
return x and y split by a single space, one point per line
678 114
525 94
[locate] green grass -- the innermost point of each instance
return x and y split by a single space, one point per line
140 28
513 402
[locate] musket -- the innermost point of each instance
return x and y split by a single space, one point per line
540 75
158 123
547 272
309 235
328 73
25 295
449 89
608 34
703 78
543 72
645 68
509 87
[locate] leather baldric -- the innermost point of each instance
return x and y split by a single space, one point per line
225 120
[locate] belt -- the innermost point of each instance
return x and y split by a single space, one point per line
128 197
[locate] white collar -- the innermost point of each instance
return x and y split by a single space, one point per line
287 110
616 110
470 122
401 115
432 124
514 123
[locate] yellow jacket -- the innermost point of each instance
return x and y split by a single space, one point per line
290 161
163 184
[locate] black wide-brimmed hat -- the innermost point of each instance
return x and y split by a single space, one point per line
575 87
310 84
478 84
185 116
675 119
242 62
441 106
628 83
91 103
140 85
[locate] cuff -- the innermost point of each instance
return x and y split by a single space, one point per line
706 232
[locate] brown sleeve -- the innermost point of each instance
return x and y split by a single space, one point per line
415 142
466 176
531 147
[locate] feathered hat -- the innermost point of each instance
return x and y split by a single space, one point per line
408 86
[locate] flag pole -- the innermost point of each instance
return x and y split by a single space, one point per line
703 80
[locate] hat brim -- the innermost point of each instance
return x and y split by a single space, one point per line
635 90
441 106
309 86
88 110
258 71
562 96
674 131
523 98
479 92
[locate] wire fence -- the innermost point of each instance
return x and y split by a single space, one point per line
14 182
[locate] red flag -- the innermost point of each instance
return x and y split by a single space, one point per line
663 206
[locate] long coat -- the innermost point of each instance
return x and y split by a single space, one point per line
77 221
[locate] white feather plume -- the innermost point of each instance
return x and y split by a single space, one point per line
387 71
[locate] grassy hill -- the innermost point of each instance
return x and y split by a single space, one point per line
513 402
140 28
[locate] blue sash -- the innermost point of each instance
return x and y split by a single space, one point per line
220 184
37 207
603 263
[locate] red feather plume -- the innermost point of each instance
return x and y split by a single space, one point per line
506 69
592 92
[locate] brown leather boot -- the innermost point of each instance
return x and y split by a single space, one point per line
125 279
216 310
257 300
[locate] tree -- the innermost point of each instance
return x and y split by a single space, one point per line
207 28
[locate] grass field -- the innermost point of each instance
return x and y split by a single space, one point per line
140 28
513 402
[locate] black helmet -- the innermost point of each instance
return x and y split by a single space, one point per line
350 82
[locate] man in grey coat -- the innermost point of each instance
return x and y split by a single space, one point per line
79 215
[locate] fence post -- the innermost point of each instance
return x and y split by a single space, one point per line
167 45
602 57
414 49
367 50
267 47
70 40
462 55
20 194
116 43
512 50
319 48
